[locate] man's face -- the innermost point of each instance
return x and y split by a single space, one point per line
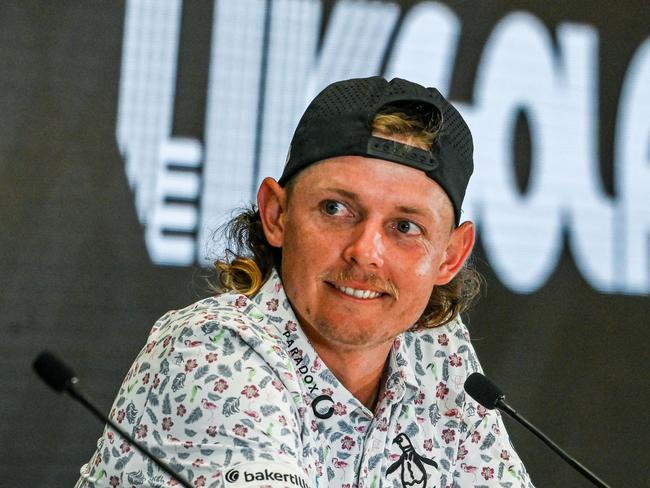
364 241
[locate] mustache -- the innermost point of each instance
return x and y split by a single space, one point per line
377 282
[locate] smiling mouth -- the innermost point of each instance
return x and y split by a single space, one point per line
353 292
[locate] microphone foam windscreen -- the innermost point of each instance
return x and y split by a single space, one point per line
53 371
483 390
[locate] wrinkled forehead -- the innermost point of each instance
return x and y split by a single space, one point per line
371 181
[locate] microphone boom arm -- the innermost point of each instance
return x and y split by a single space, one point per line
504 407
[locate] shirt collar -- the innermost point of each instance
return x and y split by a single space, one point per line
316 378
401 378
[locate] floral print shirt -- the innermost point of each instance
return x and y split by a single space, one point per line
230 393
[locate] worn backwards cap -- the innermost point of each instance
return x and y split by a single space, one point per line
338 122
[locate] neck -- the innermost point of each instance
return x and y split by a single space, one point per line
360 372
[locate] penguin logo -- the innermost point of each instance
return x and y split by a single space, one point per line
412 464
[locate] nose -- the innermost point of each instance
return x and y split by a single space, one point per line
366 246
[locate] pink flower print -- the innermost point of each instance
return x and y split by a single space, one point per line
291 326
211 431
315 367
347 442
283 420
340 409
487 473
455 360
181 410
382 425
339 463
120 415
443 340
420 399
277 385
240 302
272 304
142 431
428 444
240 430
150 346
504 455
200 481
452 412
211 357
156 380
250 391
114 481
476 436
441 390
327 391
197 462
167 340
448 435
462 452
190 364
188 444
481 411
110 436
145 379
125 447
167 423
220 385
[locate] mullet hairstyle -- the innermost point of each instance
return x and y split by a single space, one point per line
249 258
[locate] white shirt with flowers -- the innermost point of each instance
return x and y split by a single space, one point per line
229 390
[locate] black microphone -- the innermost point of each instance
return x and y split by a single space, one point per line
61 378
485 392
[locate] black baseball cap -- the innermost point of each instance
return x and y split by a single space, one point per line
338 122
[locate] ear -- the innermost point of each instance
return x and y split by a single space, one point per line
271 201
458 250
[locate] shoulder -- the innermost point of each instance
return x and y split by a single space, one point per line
223 335
215 320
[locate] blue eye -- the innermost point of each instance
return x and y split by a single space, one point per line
332 207
407 227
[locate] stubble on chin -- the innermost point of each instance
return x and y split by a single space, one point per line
348 335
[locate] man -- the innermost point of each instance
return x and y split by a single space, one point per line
336 356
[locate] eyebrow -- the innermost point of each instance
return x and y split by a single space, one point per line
401 208
345 193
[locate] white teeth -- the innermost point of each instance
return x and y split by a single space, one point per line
358 293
